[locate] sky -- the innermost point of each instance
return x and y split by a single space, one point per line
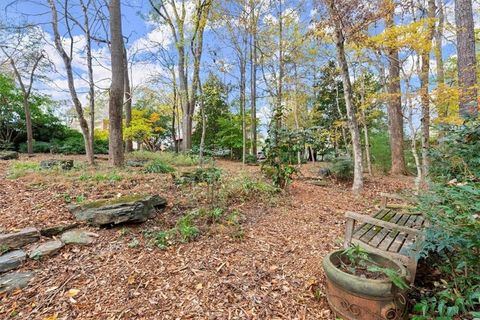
141 34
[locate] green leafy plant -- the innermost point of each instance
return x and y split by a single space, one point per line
452 207
158 166
357 260
342 169
187 229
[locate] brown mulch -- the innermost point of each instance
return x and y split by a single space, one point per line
274 272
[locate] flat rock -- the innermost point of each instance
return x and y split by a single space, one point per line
46 249
136 163
78 237
55 163
14 280
135 209
11 260
19 239
8 155
56 230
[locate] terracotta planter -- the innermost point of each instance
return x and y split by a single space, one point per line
355 298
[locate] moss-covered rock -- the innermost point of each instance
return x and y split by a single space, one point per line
131 208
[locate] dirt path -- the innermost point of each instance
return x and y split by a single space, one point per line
274 272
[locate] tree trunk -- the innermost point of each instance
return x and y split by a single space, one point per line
67 60
91 83
351 110
442 107
340 113
243 85
115 106
128 100
253 79
365 128
424 94
466 62
395 116
28 124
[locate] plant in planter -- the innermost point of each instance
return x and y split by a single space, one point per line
365 286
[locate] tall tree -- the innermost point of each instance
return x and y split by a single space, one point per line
424 83
339 36
253 75
67 58
174 14
115 107
394 106
24 53
466 61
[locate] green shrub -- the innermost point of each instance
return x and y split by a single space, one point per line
158 166
452 207
73 143
171 158
380 151
250 159
210 175
21 168
244 187
187 229
342 169
38 147
98 177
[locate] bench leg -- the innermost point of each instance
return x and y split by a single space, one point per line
348 232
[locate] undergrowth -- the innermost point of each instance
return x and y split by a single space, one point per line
170 158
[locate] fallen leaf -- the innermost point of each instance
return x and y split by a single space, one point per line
72 293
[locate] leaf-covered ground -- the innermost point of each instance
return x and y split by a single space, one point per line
272 270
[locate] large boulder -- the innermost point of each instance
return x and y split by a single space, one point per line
8 155
14 280
57 229
136 209
11 260
55 163
19 239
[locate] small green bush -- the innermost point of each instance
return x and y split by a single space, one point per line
342 169
98 177
38 147
250 159
187 229
158 166
171 158
21 168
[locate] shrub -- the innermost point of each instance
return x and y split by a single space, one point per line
245 187
74 143
380 151
171 158
158 166
20 168
452 206
342 169
250 159
38 147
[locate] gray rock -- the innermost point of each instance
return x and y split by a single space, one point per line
46 249
11 260
136 163
52 163
134 209
78 237
14 280
324 172
55 230
8 155
19 239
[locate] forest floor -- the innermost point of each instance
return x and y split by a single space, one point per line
268 267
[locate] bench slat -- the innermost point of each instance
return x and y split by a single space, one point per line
385 224
365 227
384 232
400 238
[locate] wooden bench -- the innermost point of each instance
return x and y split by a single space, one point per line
393 231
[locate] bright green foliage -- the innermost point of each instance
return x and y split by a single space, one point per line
158 166
452 206
146 127
98 177
380 151
187 229
20 168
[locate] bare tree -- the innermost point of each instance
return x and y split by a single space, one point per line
67 57
174 14
115 108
